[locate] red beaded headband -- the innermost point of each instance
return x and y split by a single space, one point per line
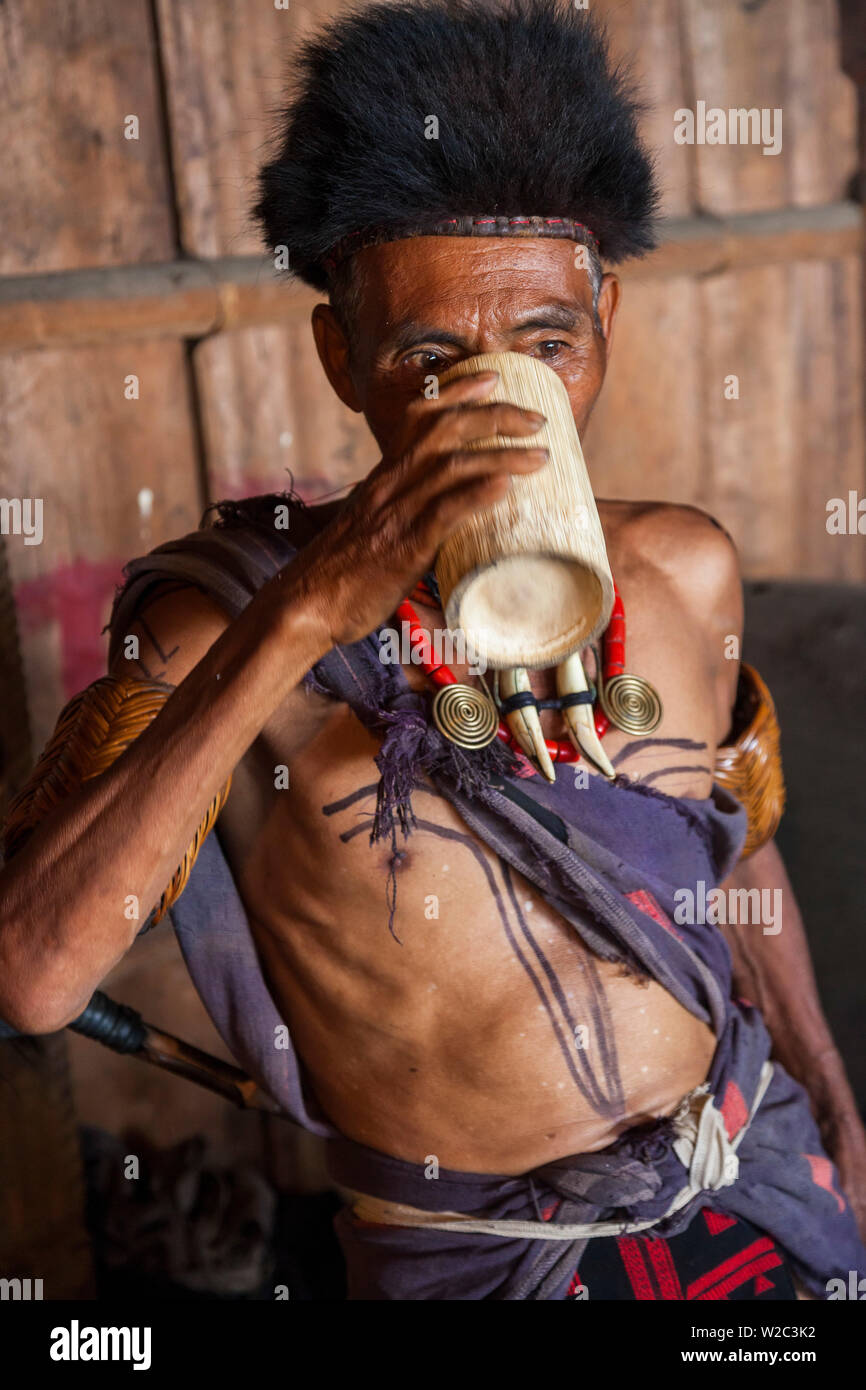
563 227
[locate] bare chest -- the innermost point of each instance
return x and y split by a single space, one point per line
465 1018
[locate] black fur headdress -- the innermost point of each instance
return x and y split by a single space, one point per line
536 133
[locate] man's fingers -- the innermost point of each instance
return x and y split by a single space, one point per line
444 425
464 424
443 451
464 466
448 509
423 412
443 418
463 388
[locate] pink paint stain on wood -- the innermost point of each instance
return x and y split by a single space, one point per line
75 597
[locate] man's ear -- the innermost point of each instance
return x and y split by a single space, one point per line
609 295
333 349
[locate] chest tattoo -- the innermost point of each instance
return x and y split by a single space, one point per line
583 1027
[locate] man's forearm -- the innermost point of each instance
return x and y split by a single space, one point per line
63 923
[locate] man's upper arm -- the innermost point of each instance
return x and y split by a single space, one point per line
174 629
171 633
701 560
722 592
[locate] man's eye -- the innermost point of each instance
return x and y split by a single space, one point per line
428 360
551 348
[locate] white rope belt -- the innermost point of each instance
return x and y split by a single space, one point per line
702 1146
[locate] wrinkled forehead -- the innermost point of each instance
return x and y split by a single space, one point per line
464 280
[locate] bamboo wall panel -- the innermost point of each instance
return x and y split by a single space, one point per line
794 439
649 37
225 63
653 362
266 405
767 463
69 437
268 413
781 53
73 191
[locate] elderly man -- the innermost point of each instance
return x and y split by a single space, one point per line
533 1076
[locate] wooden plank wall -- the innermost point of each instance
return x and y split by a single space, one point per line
76 193
266 406
230 414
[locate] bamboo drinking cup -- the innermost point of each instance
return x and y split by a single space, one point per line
528 579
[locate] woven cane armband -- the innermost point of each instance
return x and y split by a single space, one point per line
750 765
91 733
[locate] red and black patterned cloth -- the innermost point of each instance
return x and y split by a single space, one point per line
718 1257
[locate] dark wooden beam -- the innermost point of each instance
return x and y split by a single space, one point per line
711 246
192 299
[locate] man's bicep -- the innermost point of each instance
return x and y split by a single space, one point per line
702 562
705 568
170 634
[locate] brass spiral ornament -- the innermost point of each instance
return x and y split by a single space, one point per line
631 704
465 716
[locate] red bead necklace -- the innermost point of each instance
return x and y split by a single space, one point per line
560 750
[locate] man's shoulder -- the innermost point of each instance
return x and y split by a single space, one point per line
683 543
192 586
238 545
652 525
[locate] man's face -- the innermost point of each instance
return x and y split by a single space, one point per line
427 302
